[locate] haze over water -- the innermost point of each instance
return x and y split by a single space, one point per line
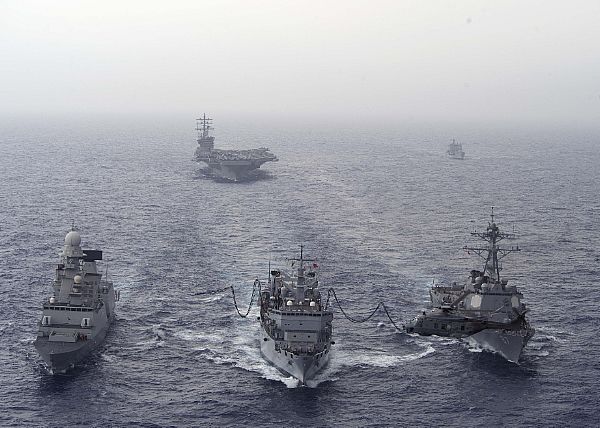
392 61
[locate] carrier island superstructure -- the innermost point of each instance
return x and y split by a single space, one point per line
77 316
230 165
486 311
296 327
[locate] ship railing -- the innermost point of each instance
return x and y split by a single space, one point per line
70 326
299 350
57 307
299 313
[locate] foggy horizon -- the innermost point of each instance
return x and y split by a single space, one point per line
408 61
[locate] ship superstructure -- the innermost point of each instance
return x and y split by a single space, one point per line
232 165
486 310
455 150
76 318
296 328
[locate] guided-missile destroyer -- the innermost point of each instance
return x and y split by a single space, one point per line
486 310
296 327
231 165
77 316
455 150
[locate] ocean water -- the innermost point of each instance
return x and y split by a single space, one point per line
385 212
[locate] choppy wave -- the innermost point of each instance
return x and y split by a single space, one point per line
383 213
242 350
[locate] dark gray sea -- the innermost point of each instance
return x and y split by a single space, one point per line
385 212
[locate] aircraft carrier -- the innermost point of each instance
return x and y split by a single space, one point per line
229 165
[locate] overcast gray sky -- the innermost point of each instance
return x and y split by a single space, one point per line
397 60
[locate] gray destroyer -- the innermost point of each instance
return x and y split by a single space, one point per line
231 165
296 327
455 150
77 316
485 310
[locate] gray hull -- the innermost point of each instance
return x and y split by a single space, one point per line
234 171
61 356
508 343
303 367
507 340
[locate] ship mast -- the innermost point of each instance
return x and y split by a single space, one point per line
302 260
492 253
203 124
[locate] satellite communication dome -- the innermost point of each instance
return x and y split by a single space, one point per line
77 279
73 238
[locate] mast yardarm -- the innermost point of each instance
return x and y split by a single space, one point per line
493 253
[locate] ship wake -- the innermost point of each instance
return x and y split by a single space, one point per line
242 350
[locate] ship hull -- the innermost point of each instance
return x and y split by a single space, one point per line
301 366
507 343
234 171
62 356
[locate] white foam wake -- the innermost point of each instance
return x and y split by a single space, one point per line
239 347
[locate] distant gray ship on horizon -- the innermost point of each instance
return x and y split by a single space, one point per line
455 150
230 165
77 316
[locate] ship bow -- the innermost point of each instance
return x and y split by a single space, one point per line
507 343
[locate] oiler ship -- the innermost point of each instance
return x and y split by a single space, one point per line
296 328
76 318
486 311
230 165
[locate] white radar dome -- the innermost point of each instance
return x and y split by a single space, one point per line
77 279
73 238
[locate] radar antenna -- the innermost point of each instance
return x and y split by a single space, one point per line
301 260
492 254
203 125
